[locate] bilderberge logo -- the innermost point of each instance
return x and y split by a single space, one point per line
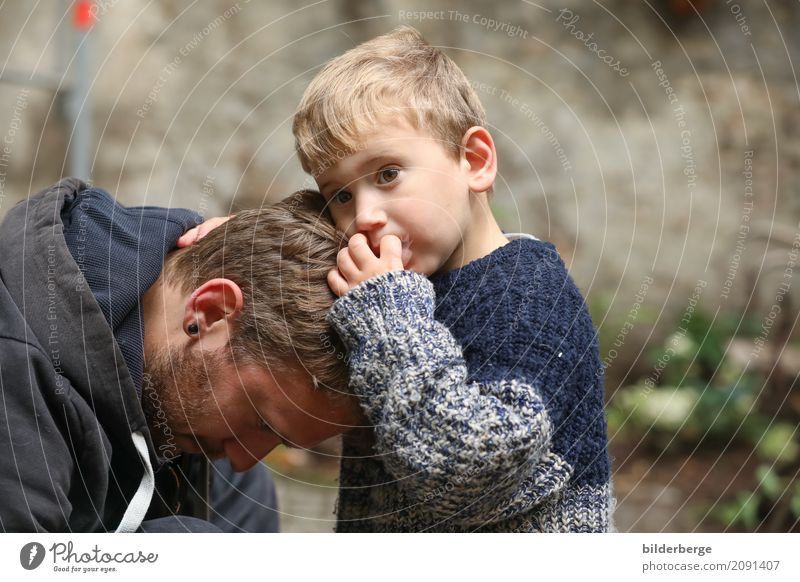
31 555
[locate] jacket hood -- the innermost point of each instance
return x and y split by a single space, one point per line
49 289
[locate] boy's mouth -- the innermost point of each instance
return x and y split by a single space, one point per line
406 254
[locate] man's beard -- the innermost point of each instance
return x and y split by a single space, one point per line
177 395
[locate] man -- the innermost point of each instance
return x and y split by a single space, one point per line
112 369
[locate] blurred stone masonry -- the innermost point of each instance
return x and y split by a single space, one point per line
192 106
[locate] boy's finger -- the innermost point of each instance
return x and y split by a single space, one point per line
188 237
193 235
347 267
392 251
337 283
360 252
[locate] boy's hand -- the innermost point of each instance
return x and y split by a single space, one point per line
193 235
357 262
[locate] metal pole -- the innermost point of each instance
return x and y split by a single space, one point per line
79 106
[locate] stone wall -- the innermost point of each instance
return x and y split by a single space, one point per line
624 130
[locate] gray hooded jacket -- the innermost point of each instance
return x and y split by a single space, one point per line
75 449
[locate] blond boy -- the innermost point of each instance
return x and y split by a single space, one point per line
482 382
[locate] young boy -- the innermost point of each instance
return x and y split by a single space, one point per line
483 383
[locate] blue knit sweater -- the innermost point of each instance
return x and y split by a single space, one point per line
485 389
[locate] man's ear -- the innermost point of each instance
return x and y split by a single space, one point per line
212 307
479 158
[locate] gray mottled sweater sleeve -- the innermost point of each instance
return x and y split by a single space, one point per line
432 424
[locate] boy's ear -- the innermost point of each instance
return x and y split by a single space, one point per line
213 307
479 158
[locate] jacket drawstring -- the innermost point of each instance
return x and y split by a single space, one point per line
140 503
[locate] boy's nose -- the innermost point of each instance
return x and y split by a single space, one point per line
369 217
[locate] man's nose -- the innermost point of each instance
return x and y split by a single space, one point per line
244 453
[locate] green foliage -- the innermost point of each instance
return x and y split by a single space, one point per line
753 509
696 393
770 482
779 443
795 505
693 392
742 511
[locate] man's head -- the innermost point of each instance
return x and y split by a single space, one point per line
393 134
238 354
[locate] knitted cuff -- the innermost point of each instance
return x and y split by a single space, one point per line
382 306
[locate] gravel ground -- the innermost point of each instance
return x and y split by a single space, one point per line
305 507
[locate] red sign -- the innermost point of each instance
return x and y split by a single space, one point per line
84 15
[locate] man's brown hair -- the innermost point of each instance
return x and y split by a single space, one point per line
279 256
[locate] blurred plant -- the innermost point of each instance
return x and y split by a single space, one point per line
698 394
774 504
614 331
694 392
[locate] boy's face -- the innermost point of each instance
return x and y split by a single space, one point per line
406 183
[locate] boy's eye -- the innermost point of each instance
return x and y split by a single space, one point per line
342 197
388 175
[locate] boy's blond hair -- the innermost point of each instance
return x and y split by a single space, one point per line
394 75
